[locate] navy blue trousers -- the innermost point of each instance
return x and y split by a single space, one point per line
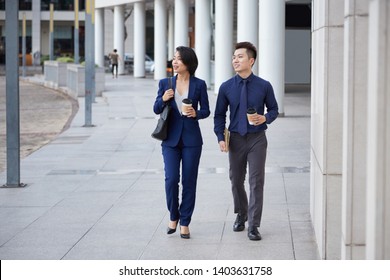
189 158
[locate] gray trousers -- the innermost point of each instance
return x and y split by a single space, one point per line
251 149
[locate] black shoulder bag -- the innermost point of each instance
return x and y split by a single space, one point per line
161 130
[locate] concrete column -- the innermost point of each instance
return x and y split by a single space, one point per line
99 37
171 33
271 46
36 31
223 42
181 23
248 24
203 31
378 136
139 39
326 125
160 39
119 35
355 129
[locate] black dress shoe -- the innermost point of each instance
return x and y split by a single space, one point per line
171 230
254 234
239 224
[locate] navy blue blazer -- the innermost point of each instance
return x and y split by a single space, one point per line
182 127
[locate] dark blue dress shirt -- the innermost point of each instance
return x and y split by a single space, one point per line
260 96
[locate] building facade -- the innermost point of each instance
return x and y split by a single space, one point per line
350 191
344 56
37 16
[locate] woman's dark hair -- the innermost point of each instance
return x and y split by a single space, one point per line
189 58
250 49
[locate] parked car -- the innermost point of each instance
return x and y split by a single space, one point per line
129 62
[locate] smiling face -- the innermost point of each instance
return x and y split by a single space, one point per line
242 63
178 66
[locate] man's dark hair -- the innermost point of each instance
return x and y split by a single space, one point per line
115 50
250 49
189 58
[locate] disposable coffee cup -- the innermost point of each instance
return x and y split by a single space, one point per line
250 113
185 105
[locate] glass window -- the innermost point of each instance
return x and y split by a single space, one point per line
24 5
62 5
63 32
59 5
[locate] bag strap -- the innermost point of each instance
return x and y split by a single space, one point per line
169 86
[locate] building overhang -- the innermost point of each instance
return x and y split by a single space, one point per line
112 3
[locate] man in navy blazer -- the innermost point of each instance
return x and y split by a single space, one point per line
183 144
248 140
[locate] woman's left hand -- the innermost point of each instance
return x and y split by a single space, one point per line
191 113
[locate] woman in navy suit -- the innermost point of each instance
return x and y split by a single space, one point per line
184 142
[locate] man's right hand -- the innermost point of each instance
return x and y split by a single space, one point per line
222 146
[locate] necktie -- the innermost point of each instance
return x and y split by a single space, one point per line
242 119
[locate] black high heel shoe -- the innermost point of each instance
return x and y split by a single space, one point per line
185 235
172 230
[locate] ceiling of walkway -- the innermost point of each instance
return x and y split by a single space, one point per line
287 1
298 1
150 3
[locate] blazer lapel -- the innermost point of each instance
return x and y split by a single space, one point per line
191 88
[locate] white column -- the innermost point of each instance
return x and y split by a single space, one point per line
171 33
248 24
36 31
271 46
378 135
181 23
99 37
355 129
223 42
203 32
119 35
139 39
326 125
160 39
